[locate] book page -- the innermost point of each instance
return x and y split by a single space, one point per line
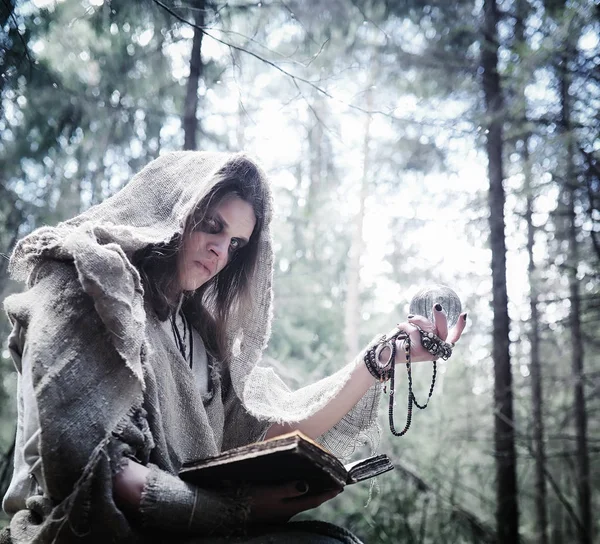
368 468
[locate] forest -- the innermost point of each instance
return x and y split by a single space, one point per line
408 143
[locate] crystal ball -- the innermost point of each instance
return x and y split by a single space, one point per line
423 301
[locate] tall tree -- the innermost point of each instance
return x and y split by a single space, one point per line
570 189
522 12
352 308
507 513
534 356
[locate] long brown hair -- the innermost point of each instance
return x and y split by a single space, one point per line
211 305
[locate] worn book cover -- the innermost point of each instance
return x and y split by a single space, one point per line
285 458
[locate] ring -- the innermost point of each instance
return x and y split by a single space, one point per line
435 345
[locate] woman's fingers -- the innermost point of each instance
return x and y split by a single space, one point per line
408 328
312 501
278 503
421 321
440 321
285 509
439 327
458 329
289 490
416 349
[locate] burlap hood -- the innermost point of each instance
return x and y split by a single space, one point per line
151 209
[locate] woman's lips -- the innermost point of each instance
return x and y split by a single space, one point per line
202 265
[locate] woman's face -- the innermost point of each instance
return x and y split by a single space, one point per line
210 246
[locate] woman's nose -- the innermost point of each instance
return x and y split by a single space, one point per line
218 246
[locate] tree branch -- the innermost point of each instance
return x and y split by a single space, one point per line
311 84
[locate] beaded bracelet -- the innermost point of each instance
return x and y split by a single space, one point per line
386 371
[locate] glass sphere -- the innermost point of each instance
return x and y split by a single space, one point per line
423 301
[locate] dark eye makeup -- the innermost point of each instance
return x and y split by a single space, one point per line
212 225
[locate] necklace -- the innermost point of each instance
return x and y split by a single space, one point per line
181 340
411 396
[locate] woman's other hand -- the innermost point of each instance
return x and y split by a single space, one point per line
278 503
268 503
439 327
128 485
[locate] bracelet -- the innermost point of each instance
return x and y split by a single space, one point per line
381 371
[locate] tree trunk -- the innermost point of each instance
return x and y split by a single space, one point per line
535 366
539 454
155 119
592 178
313 202
352 309
190 118
557 533
7 8
582 483
240 129
315 167
507 513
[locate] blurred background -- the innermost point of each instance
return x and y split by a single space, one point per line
408 143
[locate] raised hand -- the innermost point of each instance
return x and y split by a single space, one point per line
439 327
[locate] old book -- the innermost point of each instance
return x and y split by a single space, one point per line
285 458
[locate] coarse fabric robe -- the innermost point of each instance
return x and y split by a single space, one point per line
107 381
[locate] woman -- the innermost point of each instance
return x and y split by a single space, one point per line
137 343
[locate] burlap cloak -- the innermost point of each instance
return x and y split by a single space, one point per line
106 378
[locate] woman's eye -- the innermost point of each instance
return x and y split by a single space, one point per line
234 244
211 226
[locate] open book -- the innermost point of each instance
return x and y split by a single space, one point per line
285 458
